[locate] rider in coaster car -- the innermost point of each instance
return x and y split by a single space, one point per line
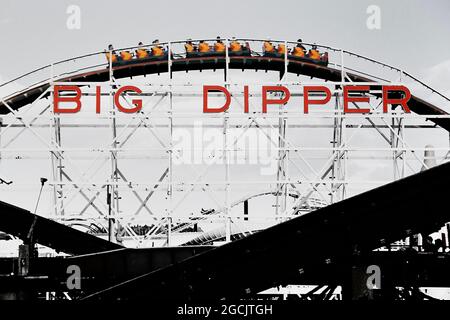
203 46
111 55
324 58
126 55
189 46
157 51
281 49
219 46
298 50
235 45
141 53
314 53
268 47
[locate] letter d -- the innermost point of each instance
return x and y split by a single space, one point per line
224 108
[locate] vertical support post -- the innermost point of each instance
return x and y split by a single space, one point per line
227 180
285 153
58 166
227 60
338 167
114 178
281 172
170 187
285 168
280 206
227 177
170 212
225 150
113 225
342 154
398 155
56 156
110 219
169 60
393 142
402 127
334 167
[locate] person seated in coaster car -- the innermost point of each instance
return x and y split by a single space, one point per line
237 49
205 50
141 53
190 48
157 51
219 46
111 55
324 59
299 50
203 47
217 50
314 53
268 48
126 55
281 49
235 45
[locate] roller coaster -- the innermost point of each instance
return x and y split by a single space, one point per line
143 232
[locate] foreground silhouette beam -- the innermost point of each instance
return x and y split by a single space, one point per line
356 226
17 222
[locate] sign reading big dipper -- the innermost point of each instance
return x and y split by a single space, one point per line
351 93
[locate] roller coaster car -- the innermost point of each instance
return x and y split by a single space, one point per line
150 58
244 52
196 54
323 59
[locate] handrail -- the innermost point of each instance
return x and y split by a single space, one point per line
398 70
24 75
427 86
